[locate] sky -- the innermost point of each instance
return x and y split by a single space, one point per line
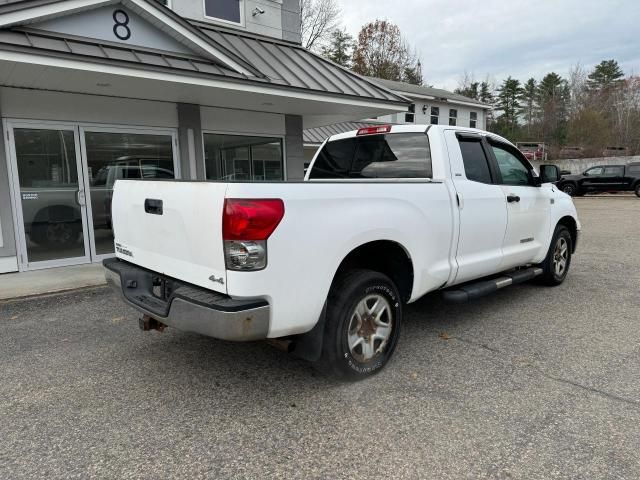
498 38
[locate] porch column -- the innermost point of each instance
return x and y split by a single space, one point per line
7 240
190 140
294 148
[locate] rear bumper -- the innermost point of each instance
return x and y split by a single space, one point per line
188 308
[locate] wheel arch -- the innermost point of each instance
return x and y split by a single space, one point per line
572 225
385 256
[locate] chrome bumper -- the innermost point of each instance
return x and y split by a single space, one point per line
189 308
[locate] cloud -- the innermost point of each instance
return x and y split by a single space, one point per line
498 38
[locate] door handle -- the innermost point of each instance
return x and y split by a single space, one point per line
511 198
153 206
81 198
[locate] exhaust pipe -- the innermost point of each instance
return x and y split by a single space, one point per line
147 323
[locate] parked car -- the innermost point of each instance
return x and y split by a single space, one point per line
533 151
616 152
386 215
571 152
604 178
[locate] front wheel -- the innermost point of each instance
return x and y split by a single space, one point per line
364 315
558 260
638 190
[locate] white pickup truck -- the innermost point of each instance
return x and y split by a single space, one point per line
323 267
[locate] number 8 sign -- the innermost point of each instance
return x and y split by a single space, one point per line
121 28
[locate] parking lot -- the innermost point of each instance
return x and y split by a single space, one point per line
530 383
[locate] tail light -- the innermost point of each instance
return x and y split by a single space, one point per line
246 227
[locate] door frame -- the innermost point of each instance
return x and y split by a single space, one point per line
9 124
79 129
83 128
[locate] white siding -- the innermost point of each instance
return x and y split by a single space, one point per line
463 119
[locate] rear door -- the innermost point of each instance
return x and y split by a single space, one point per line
173 228
482 207
613 178
528 206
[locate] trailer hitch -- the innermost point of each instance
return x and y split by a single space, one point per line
147 323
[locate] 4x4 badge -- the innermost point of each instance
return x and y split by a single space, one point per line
217 280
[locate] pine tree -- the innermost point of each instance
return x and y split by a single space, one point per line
606 74
529 96
508 103
339 48
413 75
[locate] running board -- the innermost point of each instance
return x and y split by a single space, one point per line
479 289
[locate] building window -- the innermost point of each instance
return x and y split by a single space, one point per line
225 10
453 117
435 113
411 116
473 119
235 158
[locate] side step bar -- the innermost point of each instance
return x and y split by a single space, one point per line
479 289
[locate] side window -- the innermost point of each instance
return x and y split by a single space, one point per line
614 171
512 170
476 166
634 169
594 172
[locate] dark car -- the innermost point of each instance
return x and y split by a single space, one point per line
605 178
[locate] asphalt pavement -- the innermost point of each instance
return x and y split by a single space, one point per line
533 382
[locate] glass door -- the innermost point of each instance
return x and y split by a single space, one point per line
49 193
113 154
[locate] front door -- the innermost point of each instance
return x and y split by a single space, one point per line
528 207
49 194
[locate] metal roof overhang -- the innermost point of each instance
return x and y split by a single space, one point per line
27 67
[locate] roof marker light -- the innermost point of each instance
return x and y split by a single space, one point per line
374 130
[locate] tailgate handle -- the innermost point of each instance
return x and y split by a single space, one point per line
152 206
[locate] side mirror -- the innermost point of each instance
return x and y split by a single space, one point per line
549 173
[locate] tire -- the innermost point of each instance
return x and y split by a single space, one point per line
570 189
56 235
558 260
637 190
350 349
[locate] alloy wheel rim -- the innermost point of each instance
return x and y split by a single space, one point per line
370 328
568 189
560 257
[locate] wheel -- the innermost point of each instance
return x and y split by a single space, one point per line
56 234
570 189
556 265
638 190
364 315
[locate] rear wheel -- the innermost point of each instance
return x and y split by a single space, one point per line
364 315
638 190
556 265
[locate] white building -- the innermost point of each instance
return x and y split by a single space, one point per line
96 90
429 106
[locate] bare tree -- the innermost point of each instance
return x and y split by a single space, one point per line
318 20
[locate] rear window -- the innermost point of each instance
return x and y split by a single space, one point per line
399 155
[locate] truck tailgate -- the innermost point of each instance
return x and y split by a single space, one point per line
173 228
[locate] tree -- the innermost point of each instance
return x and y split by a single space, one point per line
413 75
318 20
553 99
382 52
606 74
529 97
339 48
508 103
468 87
